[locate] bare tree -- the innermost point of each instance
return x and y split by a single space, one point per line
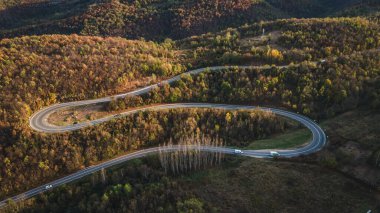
103 174
189 155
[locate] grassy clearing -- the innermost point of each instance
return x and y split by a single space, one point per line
287 140
78 115
353 142
253 185
360 126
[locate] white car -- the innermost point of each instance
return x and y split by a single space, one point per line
238 151
162 83
48 186
274 154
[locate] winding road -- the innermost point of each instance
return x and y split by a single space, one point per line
39 122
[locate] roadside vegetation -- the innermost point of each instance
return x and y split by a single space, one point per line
289 139
38 71
317 90
79 114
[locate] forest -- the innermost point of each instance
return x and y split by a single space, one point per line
76 50
285 41
143 186
31 158
175 19
39 71
318 90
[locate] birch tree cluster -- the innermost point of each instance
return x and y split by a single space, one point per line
190 155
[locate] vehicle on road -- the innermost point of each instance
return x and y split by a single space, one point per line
48 186
161 84
274 154
238 151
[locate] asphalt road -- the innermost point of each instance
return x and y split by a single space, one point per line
39 123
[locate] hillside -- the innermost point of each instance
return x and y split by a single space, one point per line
318 58
238 185
361 8
6 4
154 19
38 71
284 41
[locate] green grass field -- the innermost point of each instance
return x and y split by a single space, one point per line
286 140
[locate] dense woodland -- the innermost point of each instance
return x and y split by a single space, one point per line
297 40
318 90
155 19
333 69
41 70
38 71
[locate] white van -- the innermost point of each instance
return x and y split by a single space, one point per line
274 154
238 151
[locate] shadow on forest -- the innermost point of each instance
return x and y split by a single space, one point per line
40 12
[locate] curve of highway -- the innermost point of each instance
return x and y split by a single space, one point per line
40 123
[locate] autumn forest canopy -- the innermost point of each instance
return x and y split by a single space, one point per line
320 58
